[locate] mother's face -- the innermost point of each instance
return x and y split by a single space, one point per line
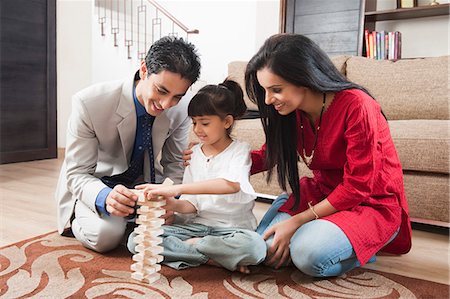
284 96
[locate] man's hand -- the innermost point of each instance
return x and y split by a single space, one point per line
187 153
121 201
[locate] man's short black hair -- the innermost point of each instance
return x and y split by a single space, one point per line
175 55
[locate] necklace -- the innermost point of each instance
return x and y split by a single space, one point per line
308 159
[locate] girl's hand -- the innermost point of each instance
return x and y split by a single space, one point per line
155 190
278 253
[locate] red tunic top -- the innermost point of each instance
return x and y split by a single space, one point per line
356 167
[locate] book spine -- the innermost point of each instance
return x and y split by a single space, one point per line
366 38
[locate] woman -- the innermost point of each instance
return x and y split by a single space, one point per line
355 205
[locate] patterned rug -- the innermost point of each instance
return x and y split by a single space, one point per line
51 266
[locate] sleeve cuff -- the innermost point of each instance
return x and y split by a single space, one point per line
100 201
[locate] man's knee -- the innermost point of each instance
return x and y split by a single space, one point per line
101 237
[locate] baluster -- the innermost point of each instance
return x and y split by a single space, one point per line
102 17
156 22
115 29
173 33
128 42
142 9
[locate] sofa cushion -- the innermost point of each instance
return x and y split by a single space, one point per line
236 71
422 145
427 196
407 88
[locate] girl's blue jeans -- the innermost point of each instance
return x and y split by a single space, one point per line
318 248
229 247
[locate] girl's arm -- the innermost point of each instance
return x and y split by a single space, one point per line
180 206
213 186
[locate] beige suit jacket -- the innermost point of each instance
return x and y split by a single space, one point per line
100 139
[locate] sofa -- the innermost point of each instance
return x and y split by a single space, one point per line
414 95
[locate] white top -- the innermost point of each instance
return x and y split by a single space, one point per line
223 210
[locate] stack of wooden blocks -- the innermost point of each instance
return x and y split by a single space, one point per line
147 258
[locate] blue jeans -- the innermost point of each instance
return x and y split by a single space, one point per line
318 248
229 247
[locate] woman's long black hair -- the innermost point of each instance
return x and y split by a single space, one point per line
299 61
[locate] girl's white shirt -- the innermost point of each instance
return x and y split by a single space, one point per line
223 210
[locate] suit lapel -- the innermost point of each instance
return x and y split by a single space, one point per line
127 127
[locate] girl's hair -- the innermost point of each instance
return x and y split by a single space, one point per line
299 61
226 98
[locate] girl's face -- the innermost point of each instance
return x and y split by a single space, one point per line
211 129
284 96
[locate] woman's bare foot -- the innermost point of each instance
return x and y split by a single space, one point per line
192 240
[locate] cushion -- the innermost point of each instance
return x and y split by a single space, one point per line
427 196
236 71
422 145
407 88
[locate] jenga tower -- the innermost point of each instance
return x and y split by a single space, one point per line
147 258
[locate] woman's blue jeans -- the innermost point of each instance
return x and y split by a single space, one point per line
318 248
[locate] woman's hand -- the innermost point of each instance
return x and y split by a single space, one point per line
278 253
187 153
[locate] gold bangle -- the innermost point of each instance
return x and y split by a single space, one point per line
311 207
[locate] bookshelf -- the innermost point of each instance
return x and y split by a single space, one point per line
371 15
407 13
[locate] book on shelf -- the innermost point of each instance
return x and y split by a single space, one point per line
383 45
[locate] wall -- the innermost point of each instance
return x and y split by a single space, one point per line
424 37
74 56
229 30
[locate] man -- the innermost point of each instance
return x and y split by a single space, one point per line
123 133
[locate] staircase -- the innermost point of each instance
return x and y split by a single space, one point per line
136 24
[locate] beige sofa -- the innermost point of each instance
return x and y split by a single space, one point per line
414 94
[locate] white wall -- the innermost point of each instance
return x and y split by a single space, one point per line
424 37
74 56
229 30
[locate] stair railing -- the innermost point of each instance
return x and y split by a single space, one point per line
137 33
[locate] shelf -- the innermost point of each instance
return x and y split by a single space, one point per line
408 13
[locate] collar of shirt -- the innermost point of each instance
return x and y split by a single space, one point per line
140 109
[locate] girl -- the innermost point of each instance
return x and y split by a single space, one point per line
215 188
355 205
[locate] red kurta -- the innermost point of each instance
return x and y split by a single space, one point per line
356 167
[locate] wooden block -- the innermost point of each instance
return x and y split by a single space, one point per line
153 203
153 250
149 260
150 221
155 212
150 231
146 278
145 269
139 193
145 238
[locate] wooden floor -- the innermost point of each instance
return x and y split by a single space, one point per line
27 209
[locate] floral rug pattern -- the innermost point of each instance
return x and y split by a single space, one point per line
52 266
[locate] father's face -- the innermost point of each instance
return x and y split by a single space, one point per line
161 91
